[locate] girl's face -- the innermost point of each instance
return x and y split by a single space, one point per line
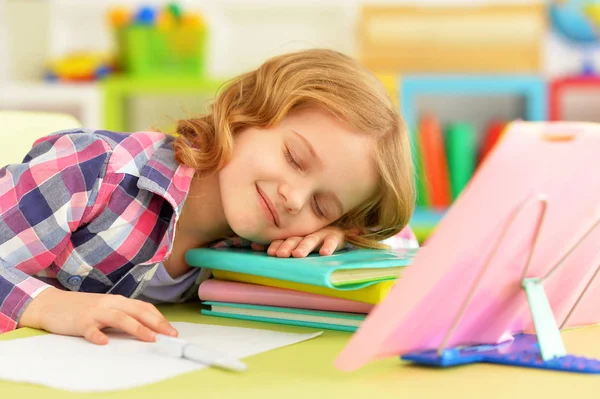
295 178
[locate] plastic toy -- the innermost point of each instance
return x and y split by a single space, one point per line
155 41
119 17
79 67
145 16
578 21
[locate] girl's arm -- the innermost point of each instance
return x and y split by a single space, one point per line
42 201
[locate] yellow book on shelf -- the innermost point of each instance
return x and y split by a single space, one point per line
372 294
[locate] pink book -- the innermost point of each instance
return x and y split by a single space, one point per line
463 288
229 291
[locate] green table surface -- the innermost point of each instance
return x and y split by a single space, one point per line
305 370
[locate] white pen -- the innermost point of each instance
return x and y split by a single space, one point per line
180 348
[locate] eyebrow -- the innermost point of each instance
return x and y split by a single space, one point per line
311 149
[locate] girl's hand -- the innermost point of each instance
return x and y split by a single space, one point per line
329 239
85 314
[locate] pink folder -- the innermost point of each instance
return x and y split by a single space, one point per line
557 160
229 291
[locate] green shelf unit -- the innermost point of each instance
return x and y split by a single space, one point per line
117 89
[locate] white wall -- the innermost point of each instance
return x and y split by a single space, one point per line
26 32
242 32
3 43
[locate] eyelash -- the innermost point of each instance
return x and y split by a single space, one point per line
291 160
317 209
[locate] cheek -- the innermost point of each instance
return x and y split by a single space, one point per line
233 183
228 179
258 166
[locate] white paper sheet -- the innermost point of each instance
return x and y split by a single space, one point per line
73 364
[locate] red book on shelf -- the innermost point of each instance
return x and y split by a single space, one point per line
434 161
492 134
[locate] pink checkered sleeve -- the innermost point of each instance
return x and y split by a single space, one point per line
42 200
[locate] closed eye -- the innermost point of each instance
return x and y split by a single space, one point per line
291 160
317 209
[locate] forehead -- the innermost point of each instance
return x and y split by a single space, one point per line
348 168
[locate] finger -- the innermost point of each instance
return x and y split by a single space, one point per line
307 245
148 315
143 312
145 306
330 244
258 247
285 250
124 322
95 336
272 251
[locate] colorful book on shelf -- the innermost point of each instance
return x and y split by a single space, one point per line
434 161
297 317
344 270
371 294
423 186
492 135
213 290
461 151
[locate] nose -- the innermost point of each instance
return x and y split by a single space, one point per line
293 198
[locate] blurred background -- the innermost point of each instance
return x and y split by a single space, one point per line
459 71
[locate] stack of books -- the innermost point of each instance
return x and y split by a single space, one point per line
330 292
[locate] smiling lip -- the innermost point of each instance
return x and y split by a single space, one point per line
268 206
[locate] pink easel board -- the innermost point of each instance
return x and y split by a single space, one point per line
559 161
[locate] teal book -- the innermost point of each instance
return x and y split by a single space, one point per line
296 317
345 270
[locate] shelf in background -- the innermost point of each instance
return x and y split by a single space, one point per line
531 87
559 87
117 89
424 220
453 88
82 100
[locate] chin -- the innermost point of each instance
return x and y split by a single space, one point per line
253 236
249 229
247 221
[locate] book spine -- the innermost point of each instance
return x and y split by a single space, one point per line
252 294
299 323
435 164
372 294
461 151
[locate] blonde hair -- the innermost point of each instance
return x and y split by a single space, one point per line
333 82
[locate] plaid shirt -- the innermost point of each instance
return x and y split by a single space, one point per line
92 211
89 211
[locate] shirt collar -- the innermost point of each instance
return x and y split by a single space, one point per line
164 176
